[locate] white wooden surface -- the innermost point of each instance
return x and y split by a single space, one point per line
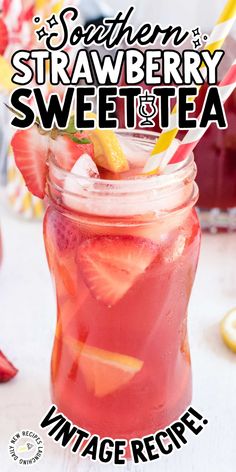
27 317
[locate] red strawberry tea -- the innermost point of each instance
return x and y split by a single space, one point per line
123 253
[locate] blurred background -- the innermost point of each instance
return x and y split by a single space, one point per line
27 307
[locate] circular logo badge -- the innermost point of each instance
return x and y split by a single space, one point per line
26 447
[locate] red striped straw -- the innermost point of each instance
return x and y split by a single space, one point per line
192 138
18 13
27 11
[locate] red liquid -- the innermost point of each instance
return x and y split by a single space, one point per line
122 397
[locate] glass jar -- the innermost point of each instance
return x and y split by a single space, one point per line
123 256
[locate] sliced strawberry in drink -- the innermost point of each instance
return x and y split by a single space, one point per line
64 231
7 369
62 239
67 150
30 149
111 265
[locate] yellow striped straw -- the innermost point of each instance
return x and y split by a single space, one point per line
160 153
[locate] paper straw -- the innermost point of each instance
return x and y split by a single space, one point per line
11 10
25 21
191 139
216 40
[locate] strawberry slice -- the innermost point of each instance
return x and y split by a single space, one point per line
67 150
30 149
64 231
111 265
7 369
3 36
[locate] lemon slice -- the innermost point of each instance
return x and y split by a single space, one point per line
104 371
228 329
108 152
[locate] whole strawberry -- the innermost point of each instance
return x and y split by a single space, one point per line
7 369
3 36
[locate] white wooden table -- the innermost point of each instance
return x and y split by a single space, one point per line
27 317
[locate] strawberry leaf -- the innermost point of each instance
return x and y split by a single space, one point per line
71 129
80 141
84 141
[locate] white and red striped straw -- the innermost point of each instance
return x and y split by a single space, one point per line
18 15
161 150
191 139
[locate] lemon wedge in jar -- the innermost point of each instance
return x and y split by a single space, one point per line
108 152
104 371
228 329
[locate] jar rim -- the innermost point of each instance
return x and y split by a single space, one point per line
160 194
175 173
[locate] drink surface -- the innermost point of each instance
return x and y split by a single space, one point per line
121 363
